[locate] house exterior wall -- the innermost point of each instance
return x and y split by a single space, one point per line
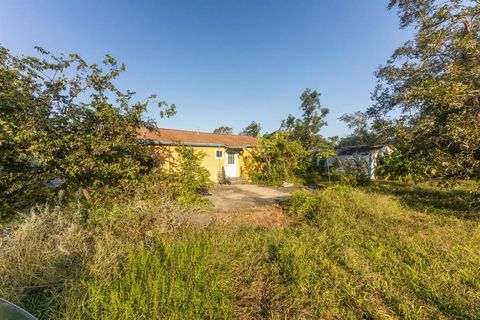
167 156
241 162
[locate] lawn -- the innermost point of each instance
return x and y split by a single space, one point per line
378 253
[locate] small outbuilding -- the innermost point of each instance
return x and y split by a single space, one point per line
367 155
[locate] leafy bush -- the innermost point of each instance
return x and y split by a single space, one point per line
355 174
349 173
397 166
302 204
275 160
187 180
185 183
64 120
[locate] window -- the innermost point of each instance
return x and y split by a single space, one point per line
219 154
231 158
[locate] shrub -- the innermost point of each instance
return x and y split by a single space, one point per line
302 204
275 160
397 166
350 173
188 179
65 120
185 183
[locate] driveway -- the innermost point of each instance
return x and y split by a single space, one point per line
244 196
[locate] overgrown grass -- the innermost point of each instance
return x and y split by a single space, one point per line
169 279
398 262
352 254
462 200
38 258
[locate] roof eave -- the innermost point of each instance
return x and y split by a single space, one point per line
192 144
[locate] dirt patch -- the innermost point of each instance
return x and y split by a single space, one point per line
268 217
239 197
245 205
271 216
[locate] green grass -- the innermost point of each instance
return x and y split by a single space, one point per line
168 280
352 254
462 200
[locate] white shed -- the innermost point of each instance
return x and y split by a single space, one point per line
367 154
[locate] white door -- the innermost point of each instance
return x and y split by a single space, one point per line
231 164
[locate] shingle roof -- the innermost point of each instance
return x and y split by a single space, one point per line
172 136
360 149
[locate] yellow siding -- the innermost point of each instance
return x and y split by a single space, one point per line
245 153
167 156
215 166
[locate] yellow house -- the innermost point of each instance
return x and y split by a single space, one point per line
224 153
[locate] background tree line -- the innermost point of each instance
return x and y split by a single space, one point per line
252 130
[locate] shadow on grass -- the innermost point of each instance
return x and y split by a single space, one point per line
460 202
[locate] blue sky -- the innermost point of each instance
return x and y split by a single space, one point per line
221 62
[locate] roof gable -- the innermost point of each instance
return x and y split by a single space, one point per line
172 136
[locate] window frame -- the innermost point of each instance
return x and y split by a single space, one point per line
216 154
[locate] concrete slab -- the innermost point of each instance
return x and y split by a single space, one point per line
244 196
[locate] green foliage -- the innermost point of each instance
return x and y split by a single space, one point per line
296 150
320 155
369 131
21 177
62 118
252 130
275 160
353 173
302 204
397 166
433 81
223 130
306 130
316 164
357 121
356 179
187 179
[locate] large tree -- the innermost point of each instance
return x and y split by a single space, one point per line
433 81
369 131
306 129
252 130
63 118
223 130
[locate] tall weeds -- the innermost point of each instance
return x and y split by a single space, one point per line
41 257
353 254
